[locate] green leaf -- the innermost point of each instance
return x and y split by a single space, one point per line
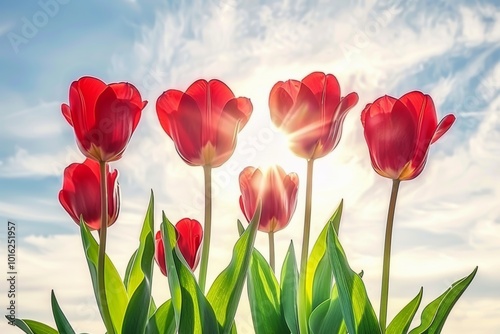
434 315
241 229
197 315
357 310
224 294
34 327
115 290
62 323
137 312
264 297
316 285
327 317
289 283
401 322
139 279
162 321
130 264
169 242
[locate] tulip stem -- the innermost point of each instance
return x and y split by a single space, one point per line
207 170
304 304
384 296
106 317
271 250
307 218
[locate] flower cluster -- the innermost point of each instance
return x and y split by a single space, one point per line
204 123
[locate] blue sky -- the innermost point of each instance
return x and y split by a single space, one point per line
447 220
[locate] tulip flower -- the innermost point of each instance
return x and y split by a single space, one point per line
277 191
103 116
204 123
189 237
399 133
312 112
80 194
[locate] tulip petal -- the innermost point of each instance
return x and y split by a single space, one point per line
160 253
168 103
113 195
83 97
66 111
325 88
249 180
304 123
90 89
115 121
204 121
423 107
186 125
243 209
81 193
234 117
281 100
277 192
390 132
331 140
443 127
190 235
128 92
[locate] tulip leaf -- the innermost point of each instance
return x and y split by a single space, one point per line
224 294
289 283
139 279
162 321
196 314
316 285
130 264
115 290
356 307
137 312
33 327
434 315
241 229
264 297
319 278
169 240
402 321
62 323
327 317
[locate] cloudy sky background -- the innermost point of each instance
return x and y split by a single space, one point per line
447 220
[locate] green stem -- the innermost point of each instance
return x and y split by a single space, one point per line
307 218
106 317
303 304
207 170
384 296
271 250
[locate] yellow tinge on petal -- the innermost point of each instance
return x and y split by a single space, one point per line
208 153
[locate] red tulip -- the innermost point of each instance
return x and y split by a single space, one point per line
103 116
81 196
275 189
399 133
189 237
204 121
312 112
